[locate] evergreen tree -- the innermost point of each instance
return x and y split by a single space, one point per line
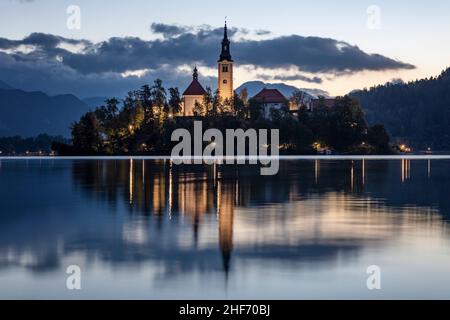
86 134
174 101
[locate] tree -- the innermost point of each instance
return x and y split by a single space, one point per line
319 121
243 96
145 100
131 130
416 113
86 134
109 112
348 126
226 107
255 110
208 107
199 109
378 137
174 101
240 107
297 100
158 95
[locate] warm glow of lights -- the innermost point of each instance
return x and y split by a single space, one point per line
218 199
406 170
404 148
284 146
131 181
352 176
170 190
317 146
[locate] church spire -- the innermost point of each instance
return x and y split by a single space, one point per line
195 74
225 55
225 31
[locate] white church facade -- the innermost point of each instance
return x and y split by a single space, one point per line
193 94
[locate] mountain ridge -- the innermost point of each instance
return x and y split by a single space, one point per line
253 87
29 114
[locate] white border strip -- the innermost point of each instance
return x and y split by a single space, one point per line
224 158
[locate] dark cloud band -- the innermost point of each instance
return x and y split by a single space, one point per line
310 54
182 45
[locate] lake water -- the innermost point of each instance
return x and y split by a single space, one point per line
153 230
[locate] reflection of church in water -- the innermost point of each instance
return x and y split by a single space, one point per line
195 196
204 208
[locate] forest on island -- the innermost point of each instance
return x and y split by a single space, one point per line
143 122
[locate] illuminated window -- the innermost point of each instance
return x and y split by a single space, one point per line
224 68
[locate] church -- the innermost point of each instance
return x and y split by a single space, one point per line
195 91
269 99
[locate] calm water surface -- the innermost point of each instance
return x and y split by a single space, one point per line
152 230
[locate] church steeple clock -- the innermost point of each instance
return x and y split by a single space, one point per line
225 85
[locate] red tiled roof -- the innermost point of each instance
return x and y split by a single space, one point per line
194 89
270 96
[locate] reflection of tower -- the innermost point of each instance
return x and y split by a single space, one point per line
170 196
225 213
225 62
159 193
194 198
131 181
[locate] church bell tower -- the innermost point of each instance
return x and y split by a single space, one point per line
225 62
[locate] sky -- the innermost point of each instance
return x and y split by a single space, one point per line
115 46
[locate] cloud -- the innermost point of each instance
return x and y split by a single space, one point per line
47 57
55 78
168 30
262 32
295 77
314 54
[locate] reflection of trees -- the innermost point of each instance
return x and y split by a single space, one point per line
160 189
307 213
163 189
